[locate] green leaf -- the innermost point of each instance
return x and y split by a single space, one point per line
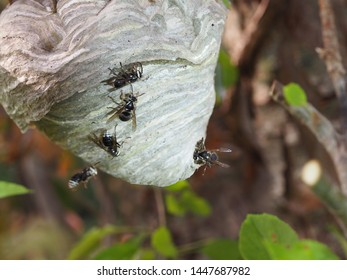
122 251
303 250
259 232
222 249
174 206
179 186
294 95
90 241
10 189
227 73
161 241
266 237
196 204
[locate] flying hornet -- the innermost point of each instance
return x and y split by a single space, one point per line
107 141
82 177
124 75
125 110
202 156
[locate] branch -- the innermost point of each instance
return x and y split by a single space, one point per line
328 193
244 44
334 199
322 129
332 57
250 35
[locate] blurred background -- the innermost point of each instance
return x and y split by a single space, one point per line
264 40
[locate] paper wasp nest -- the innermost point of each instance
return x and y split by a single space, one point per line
54 57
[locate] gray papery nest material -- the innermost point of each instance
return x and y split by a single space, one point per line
54 57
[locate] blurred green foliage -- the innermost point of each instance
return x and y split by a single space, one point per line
262 237
180 200
161 243
227 3
38 239
91 241
3 4
122 251
227 74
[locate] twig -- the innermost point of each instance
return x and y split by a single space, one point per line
333 197
328 193
335 201
194 246
321 128
251 34
332 58
250 40
160 206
